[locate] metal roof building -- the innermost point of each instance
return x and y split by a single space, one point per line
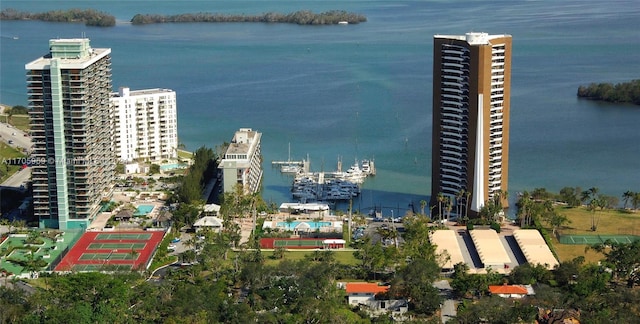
534 248
446 241
490 249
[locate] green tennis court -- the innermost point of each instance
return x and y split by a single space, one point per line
101 267
116 246
285 243
108 256
124 236
596 239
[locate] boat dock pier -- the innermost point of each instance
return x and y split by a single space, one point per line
292 166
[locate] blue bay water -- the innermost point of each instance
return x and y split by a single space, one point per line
364 91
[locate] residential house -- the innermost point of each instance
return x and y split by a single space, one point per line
511 291
364 294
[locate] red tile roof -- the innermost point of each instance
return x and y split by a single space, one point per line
365 287
508 289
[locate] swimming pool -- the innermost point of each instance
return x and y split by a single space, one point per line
172 166
143 210
312 224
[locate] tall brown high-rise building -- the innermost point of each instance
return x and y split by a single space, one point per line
471 100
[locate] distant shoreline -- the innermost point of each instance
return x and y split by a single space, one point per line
101 19
303 17
627 92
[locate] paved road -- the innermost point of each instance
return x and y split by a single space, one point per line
20 141
448 307
19 178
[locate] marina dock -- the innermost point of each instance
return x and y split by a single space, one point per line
331 186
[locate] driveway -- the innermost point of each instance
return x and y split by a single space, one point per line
448 307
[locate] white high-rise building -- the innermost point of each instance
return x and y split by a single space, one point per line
242 163
145 124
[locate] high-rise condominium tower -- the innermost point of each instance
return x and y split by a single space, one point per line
471 90
72 131
145 125
242 162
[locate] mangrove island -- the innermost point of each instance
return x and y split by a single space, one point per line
627 92
88 16
303 17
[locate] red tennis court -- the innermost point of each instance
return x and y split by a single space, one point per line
112 251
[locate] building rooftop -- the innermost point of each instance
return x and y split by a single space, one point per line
365 287
490 249
534 248
242 141
446 241
125 92
473 38
508 289
74 53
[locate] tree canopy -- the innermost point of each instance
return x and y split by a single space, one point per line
303 17
89 16
626 92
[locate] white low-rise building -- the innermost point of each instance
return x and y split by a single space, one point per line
146 124
211 223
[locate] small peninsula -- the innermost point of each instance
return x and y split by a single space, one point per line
88 16
627 92
303 17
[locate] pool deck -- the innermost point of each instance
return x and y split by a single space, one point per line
155 199
333 225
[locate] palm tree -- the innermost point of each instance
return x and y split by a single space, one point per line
635 200
449 207
423 204
133 254
626 196
592 207
466 205
525 203
431 212
459 196
440 201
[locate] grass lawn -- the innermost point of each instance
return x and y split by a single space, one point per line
185 154
614 222
20 122
344 257
7 152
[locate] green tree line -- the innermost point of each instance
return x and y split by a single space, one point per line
627 92
303 17
95 18
89 16
591 293
222 285
199 173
